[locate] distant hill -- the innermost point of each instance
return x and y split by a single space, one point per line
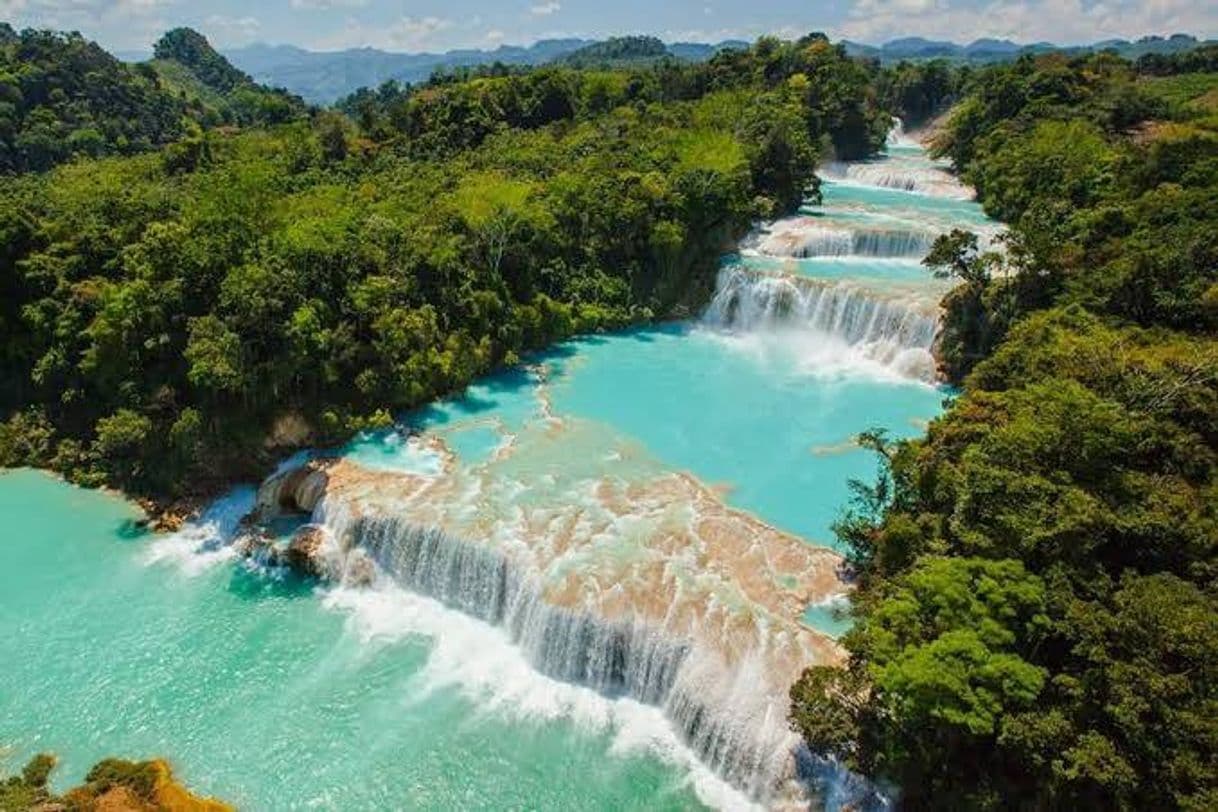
997 50
63 96
321 77
618 50
185 62
702 51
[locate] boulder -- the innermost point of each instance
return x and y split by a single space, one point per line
297 490
305 553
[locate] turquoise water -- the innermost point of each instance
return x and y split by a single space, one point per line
965 213
277 694
831 617
744 413
261 695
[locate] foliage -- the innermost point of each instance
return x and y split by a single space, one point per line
918 91
190 48
617 50
185 62
835 97
110 784
1037 612
63 97
1109 184
161 312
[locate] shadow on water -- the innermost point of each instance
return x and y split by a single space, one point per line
133 529
836 788
483 396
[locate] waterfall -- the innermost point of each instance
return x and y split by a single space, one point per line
897 136
891 331
902 175
732 716
805 238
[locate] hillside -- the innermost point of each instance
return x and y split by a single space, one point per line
333 272
1036 620
186 63
63 96
618 50
323 77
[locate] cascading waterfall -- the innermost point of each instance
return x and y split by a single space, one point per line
723 690
806 238
723 713
888 330
897 136
906 176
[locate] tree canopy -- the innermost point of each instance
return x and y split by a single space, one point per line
63 97
1037 616
162 311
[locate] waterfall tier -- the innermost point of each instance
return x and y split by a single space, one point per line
894 327
918 176
649 589
809 237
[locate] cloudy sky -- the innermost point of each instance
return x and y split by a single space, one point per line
431 25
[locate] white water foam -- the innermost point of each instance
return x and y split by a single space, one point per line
812 237
722 712
206 541
832 327
481 662
905 176
897 137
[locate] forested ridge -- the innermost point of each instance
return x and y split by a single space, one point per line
1037 616
172 320
63 96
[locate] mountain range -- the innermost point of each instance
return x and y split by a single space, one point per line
322 77
992 50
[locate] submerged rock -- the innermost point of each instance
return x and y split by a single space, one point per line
360 569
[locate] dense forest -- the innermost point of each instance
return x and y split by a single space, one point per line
63 96
169 320
1037 616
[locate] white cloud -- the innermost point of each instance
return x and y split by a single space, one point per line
404 34
1059 21
413 32
224 30
327 5
495 36
545 9
125 23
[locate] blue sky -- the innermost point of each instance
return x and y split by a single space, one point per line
443 24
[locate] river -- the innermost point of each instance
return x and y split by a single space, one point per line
592 577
